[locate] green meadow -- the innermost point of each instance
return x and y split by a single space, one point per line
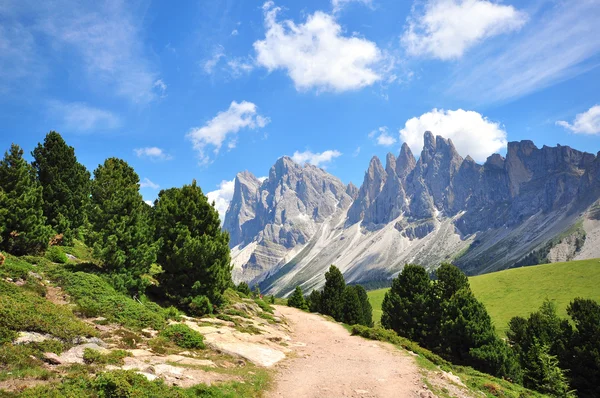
520 291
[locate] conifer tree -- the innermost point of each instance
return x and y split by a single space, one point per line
23 229
121 228
65 185
352 309
407 305
466 325
314 300
297 300
332 296
366 309
194 251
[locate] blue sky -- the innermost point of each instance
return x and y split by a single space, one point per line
209 88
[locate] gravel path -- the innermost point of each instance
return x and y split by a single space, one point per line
329 362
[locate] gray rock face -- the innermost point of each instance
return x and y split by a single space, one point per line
280 214
241 215
289 229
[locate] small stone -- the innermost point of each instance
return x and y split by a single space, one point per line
51 358
32 337
148 376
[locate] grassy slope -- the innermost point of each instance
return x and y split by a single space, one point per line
520 291
25 307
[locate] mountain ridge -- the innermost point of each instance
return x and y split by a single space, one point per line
440 207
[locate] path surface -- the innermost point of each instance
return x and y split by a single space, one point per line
329 362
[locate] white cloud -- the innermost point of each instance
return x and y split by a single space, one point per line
339 4
107 38
316 54
210 64
152 152
146 183
559 44
234 32
316 159
222 197
240 66
471 133
225 126
18 62
80 117
448 28
383 136
356 152
587 122
149 203
161 87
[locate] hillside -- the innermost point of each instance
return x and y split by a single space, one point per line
65 331
536 205
520 291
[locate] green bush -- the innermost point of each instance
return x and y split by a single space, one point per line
183 336
115 357
21 310
94 297
243 288
56 255
264 306
200 306
15 267
380 334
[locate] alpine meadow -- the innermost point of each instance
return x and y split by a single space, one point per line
327 198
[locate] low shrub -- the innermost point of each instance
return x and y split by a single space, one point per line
378 333
56 255
15 267
200 306
183 336
114 384
264 306
115 357
21 310
94 297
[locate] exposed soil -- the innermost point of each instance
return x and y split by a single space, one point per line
329 362
56 295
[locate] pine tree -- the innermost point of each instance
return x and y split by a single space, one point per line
450 279
465 325
584 347
332 296
366 309
544 373
65 185
352 308
121 227
314 300
296 300
407 305
23 229
194 251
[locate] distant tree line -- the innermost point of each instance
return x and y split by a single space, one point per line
344 303
175 249
543 352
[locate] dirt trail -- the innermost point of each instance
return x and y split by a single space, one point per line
329 362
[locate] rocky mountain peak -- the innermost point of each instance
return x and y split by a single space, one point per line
390 164
406 162
242 208
352 190
289 229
